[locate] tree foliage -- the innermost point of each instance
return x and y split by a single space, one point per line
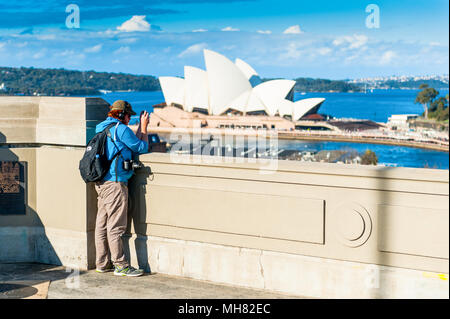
323 85
369 158
439 109
434 107
29 81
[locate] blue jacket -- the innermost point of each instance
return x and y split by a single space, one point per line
128 144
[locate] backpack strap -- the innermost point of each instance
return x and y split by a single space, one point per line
108 133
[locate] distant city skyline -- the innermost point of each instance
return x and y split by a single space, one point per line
439 77
318 39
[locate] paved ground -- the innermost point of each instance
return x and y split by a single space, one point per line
27 280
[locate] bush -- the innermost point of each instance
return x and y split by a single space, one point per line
369 158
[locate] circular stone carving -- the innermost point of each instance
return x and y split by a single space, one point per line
352 224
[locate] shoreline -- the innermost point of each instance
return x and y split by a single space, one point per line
367 140
300 136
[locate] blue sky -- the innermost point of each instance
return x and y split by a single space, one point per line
283 38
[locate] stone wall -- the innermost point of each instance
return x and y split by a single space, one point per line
315 229
310 229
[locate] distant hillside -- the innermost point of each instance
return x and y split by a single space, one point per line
35 81
323 85
413 84
32 81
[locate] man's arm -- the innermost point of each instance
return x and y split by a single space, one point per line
141 132
129 138
138 131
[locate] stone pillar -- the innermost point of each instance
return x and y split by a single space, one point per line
48 135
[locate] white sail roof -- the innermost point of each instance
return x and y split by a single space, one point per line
272 92
249 72
286 108
197 92
173 89
239 103
225 80
227 85
255 103
302 107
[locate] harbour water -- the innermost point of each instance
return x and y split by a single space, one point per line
376 106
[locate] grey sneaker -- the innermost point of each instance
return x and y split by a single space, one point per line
107 269
128 271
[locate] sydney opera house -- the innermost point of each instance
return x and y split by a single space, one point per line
226 88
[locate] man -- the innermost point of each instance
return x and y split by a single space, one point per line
112 191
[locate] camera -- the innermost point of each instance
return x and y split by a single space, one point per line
129 165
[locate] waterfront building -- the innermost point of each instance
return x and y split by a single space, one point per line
400 121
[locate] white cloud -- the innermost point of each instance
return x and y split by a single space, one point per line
324 51
387 57
2 45
338 41
354 42
94 49
40 54
136 23
264 31
200 30
435 44
128 40
351 58
69 55
229 47
46 37
120 50
358 41
108 33
230 29
295 29
21 45
292 52
193 49
65 53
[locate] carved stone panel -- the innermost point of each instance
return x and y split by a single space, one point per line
351 224
12 188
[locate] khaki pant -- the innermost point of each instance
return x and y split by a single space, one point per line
111 223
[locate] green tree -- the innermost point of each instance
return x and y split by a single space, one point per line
369 158
426 97
439 109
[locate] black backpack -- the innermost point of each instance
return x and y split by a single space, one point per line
95 164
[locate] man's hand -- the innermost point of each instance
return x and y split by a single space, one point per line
144 121
142 128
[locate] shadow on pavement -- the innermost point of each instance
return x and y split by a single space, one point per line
17 280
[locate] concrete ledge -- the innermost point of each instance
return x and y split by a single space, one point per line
63 247
282 272
395 217
43 245
50 120
18 243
